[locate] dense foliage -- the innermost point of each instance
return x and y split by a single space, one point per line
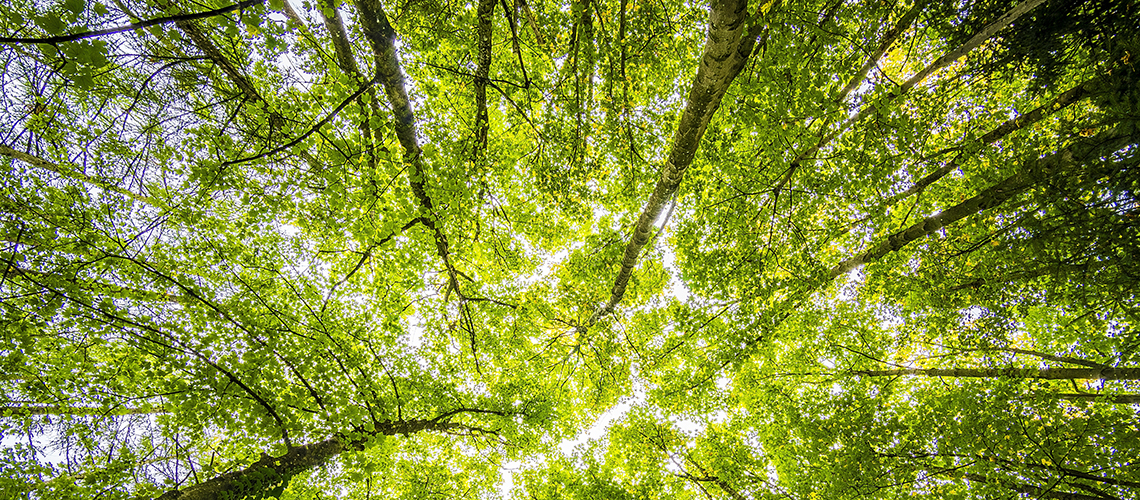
586 249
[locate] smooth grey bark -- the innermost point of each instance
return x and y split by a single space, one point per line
889 40
483 35
1107 373
330 14
71 173
346 61
990 30
210 50
727 49
382 37
298 459
1062 101
1067 158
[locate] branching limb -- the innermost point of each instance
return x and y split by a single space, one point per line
307 133
1036 169
70 173
869 108
889 40
133 26
382 38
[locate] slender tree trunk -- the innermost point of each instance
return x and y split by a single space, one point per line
270 475
1107 373
74 174
382 37
1035 491
330 14
1062 101
483 33
868 108
888 41
25 410
1073 156
729 44
1116 399
211 50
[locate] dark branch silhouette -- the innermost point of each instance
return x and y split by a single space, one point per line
133 26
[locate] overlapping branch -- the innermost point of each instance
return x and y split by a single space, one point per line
382 37
1062 101
1106 373
70 173
888 41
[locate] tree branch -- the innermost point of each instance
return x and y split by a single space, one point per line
133 26
1110 373
995 195
888 41
307 133
38 162
941 62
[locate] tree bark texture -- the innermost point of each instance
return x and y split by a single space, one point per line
1073 156
1033 491
270 475
728 46
483 33
382 37
1108 373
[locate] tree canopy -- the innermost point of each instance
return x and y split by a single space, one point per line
638 249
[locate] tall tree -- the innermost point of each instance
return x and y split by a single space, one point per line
767 249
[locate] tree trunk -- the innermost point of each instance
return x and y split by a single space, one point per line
25 410
265 475
1073 156
1034 373
74 174
271 475
483 33
382 37
727 49
1116 399
1035 491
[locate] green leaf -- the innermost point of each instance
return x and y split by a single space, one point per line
75 6
51 23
